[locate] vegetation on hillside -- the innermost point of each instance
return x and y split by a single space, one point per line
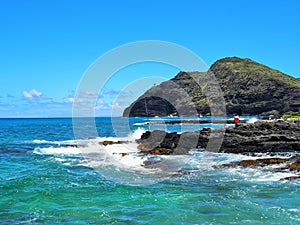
291 115
248 88
249 66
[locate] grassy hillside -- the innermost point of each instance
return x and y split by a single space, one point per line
248 66
249 88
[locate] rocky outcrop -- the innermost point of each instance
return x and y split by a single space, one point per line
291 178
248 88
291 164
276 137
105 143
162 143
260 137
279 136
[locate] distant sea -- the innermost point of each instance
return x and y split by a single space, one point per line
48 177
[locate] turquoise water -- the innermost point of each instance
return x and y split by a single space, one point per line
42 182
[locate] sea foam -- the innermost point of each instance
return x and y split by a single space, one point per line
122 162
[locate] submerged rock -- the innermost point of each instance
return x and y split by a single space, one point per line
257 162
291 178
105 143
290 164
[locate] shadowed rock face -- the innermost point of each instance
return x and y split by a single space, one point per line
249 88
263 137
260 137
150 106
162 143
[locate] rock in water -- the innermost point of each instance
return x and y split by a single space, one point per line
260 137
291 164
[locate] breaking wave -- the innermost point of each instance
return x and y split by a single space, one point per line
119 160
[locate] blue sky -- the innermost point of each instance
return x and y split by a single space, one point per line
46 46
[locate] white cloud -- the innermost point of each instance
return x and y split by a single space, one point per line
69 100
116 105
87 94
83 97
32 94
100 102
98 107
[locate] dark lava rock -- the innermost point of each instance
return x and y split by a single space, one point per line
257 162
150 106
291 164
162 143
105 143
279 136
291 178
260 137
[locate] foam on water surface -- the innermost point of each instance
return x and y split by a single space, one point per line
61 183
122 161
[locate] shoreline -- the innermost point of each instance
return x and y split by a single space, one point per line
270 137
259 137
194 122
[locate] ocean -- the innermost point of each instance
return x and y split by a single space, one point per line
47 176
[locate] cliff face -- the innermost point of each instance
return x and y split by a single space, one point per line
249 88
150 106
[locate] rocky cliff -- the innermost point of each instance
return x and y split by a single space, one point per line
248 88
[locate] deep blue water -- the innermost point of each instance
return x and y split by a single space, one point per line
42 182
